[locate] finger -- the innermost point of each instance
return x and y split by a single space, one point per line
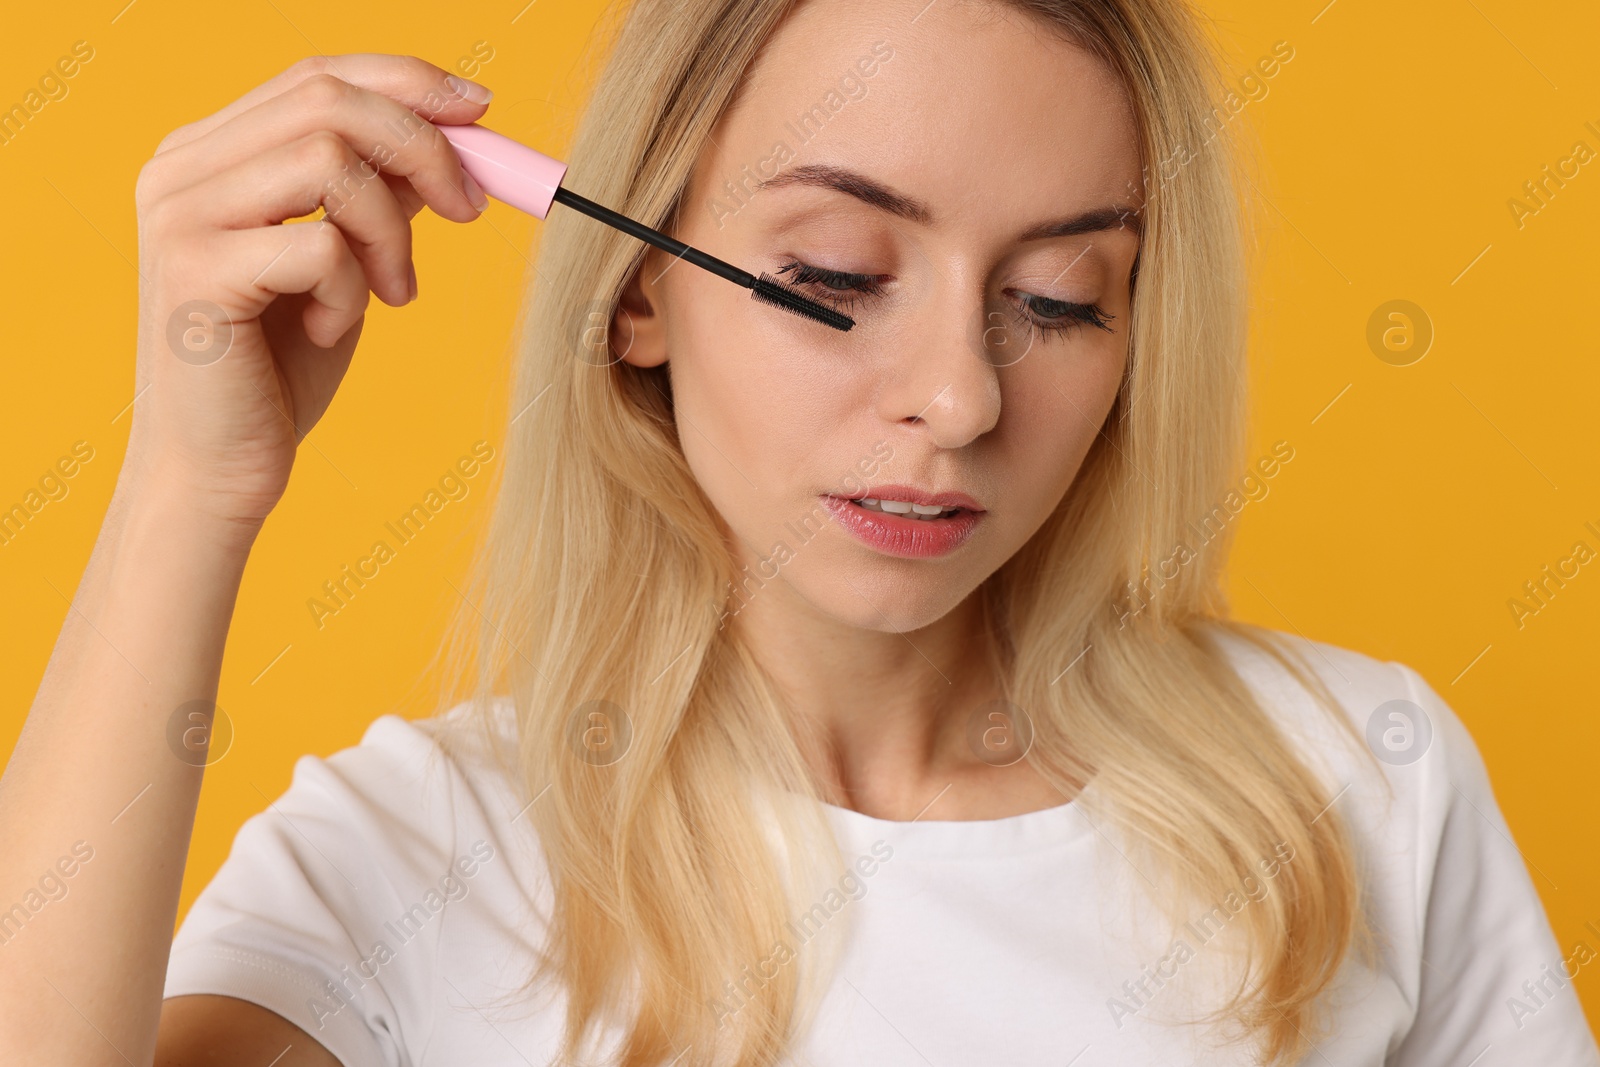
410 81
291 180
383 132
301 257
405 193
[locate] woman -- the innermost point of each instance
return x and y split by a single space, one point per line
834 698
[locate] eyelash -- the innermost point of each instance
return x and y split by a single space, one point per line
830 285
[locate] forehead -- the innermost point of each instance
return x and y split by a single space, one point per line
973 107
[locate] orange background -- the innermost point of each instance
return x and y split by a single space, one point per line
1419 500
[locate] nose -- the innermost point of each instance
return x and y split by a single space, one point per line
941 379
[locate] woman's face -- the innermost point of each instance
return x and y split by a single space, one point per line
964 186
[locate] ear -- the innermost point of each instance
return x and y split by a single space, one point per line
638 332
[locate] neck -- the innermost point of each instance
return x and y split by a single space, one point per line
882 717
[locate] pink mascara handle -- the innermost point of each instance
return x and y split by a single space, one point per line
507 170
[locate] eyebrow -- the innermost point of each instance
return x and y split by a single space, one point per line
878 195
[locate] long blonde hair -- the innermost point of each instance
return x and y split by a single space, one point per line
599 588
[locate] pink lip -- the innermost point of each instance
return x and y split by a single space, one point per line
897 535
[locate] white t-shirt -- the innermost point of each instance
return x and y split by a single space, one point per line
387 902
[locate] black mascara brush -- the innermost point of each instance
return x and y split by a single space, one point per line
531 181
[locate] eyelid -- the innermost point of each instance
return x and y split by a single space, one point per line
1047 298
851 286
802 267
792 262
813 273
1076 314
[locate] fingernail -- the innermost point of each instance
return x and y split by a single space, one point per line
413 281
474 193
470 91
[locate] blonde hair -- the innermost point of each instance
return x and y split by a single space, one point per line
603 575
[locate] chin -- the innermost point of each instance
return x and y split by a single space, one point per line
896 604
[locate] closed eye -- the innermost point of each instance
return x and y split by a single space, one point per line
840 288
1046 313
845 289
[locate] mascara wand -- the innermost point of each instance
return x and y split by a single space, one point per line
529 180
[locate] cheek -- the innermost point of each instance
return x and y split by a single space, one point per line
1054 407
757 406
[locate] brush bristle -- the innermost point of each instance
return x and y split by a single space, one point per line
771 291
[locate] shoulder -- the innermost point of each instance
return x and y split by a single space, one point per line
1396 762
1386 720
414 765
1404 773
413 787
313 911
1460 919
381 820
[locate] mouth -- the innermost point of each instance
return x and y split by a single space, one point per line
905 509
906 522
911 502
